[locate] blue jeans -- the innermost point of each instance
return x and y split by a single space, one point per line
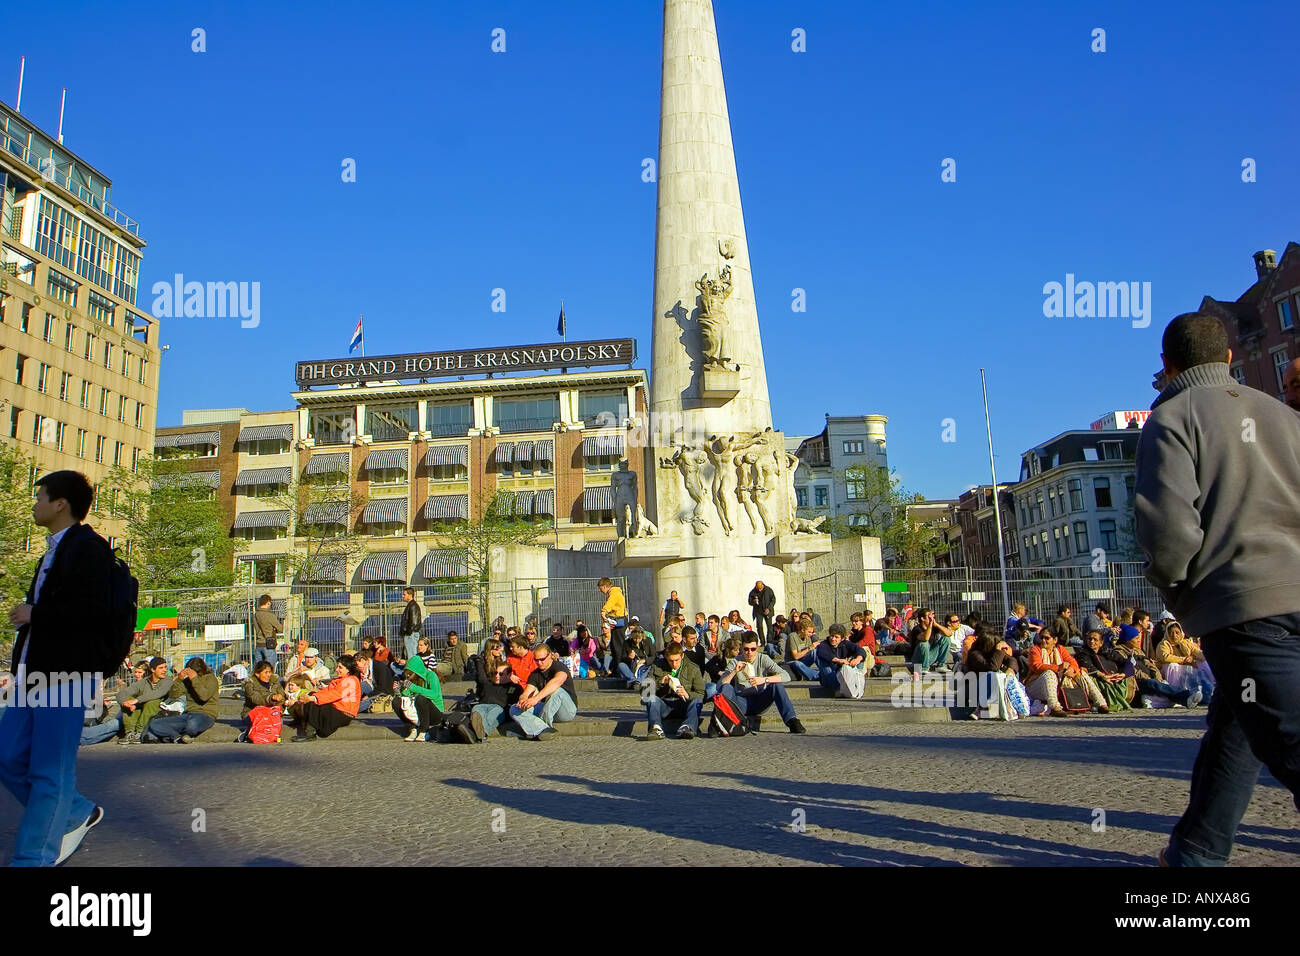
263 654
408 642
657 708
931 652
105 730
170 728
806 666
1147 686
626 672
38 765
558 708
829 677
1242 735
710 689
751 703
493 716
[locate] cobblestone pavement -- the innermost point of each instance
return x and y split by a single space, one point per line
969 793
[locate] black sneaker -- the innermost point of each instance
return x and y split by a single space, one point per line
303 738
466 733
480 731
796 726
685 733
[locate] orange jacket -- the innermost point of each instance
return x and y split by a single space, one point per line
343 692
1038 662
521 667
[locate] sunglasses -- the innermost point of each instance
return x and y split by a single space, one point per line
542 660
750 650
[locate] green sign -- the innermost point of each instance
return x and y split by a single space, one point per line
156 618
894 587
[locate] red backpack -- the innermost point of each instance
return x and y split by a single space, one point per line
266 725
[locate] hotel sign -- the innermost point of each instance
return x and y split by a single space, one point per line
513 358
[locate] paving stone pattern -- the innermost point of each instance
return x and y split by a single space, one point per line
959 793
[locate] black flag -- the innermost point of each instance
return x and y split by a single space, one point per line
560 326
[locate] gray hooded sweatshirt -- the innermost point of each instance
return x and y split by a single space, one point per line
1218 501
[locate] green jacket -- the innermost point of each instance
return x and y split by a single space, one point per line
691 679
433 686
200 695
258 695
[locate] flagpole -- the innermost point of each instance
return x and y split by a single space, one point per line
997 509
564 331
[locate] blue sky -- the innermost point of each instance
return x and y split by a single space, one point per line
522 171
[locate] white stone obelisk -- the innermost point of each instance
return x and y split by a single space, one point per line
723 508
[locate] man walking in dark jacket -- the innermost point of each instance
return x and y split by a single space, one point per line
1218 515
411 621
67 609
763 600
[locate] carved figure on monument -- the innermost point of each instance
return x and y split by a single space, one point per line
645 528
713 320
768 472
791 466
747 489
622 485
689 461
807 525
722 451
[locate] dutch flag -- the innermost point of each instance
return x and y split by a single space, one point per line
356 338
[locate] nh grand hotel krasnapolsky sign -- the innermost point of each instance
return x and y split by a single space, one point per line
513 358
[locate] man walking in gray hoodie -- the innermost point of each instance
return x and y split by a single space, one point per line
1218 515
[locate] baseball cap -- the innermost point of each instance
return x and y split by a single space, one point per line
311 652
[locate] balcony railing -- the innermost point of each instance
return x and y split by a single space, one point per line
93 200
526 425
448 429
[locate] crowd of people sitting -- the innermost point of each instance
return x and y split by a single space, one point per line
524 685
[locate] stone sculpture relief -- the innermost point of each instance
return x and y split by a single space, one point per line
645 528
807 525
713 320
689 462
722 451
747 490
768 470
623 488
791 466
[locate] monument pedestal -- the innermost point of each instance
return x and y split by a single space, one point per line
719 384
646 552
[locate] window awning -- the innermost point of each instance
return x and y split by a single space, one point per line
326 512
544 503
329 568
604 546
382 458
262 519
446 455
505 452
266 433
385 510
598 499
384 566
264 476
188 479
602 445
446 506
524 502
544 450
523 451
444 563
335 461
187 440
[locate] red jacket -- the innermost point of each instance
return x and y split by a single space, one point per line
343 692
1037 663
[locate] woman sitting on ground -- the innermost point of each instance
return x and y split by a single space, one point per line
736 624
262 689
198 688
496 696
586 649
1048 664
988 654
380 651
486 661
420 685
1107 669
333 706
1182 662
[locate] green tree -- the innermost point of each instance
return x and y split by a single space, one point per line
16 562
882 505
484 542
176 529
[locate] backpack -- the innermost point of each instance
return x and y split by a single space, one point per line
112 645
267 725
726 720
881 669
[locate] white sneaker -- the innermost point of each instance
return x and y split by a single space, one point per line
73 840
1146 704
657 732
1196 698
412 737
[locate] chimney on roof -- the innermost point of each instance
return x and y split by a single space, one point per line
1265 262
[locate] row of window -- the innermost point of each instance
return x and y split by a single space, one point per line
446 419
92 348
92 254
1035 547
127 409
54 433
1031 509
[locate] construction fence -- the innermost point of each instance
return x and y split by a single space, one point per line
1121 584
216 624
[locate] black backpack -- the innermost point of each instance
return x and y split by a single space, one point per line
115 641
